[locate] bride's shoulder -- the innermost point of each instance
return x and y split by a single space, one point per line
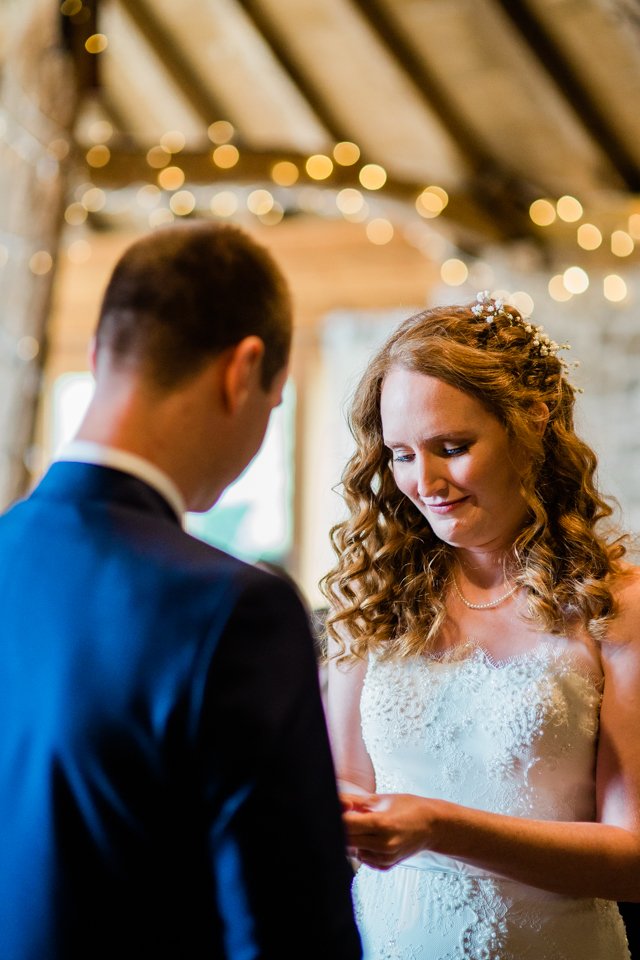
625 584
626 591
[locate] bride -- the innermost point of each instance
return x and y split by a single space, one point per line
484 690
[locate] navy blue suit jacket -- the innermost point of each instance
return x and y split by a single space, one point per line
166 784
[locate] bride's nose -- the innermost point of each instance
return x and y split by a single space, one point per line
432 480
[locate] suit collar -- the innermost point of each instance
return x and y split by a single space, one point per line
82 451
76 481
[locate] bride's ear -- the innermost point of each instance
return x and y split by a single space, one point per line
539 416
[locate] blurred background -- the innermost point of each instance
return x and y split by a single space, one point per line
392 154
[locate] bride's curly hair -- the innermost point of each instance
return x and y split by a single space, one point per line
387 590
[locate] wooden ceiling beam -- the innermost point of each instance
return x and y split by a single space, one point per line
128 166
308 90
75 30
175 61
503 194
577 97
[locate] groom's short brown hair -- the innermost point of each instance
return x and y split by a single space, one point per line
184 293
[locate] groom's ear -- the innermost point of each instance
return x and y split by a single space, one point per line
92 354
241 372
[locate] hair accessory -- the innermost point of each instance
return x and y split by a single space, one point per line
489 309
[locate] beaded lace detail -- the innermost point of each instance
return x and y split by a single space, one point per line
516 737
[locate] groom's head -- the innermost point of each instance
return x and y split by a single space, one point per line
184 294
191 354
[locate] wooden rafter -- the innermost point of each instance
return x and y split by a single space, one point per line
334 126
593 118
503 193
175 61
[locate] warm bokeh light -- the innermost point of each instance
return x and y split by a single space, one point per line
96 43
575 279
75 214
557 289
41 262
542 212
182 203
220 132
373 176
173 141
634 225
569 209
588 236
439 192
379 231
158 157
260 202
171 178
94 199
622 244
498 294
58 148
431 202
100 131
148 196
70 7
273 216
349 201
224 204
614 288
360 216
27 348
284 173
454 272
319 167
226 156
522 302
98 156
346 153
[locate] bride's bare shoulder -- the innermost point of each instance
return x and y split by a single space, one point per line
626 583
626 592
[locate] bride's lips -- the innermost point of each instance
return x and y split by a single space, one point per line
446 506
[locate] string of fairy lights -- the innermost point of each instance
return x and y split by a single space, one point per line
167 196
294 186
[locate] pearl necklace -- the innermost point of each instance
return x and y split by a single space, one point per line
483 606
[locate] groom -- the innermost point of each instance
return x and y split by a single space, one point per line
166 786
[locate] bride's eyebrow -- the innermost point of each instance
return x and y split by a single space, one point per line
431 438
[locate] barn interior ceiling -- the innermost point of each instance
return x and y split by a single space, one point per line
458 132
491 121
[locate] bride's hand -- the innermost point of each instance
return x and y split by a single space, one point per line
362 802
388 828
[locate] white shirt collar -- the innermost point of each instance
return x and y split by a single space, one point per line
84 451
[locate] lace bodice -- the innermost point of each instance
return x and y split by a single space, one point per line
490 736
516 737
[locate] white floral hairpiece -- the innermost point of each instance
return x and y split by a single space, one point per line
489 309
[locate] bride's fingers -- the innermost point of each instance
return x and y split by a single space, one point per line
357 802
373 858
361 823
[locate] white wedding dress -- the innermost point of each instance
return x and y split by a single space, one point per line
516 738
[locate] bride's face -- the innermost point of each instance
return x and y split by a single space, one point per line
453 460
